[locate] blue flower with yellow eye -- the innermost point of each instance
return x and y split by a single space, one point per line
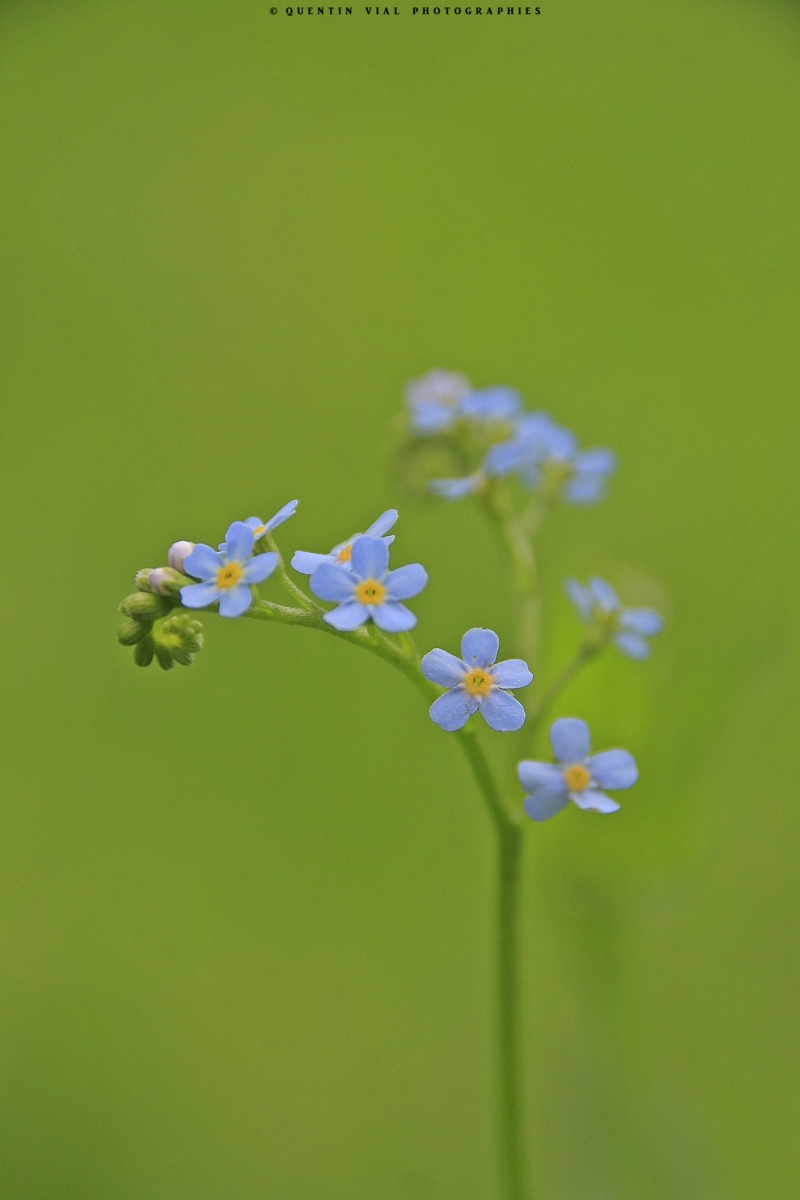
576 775
305 562
546 455
261 528
368 590
628 628
433 401
226 575
476 683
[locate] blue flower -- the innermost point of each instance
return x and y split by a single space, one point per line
490 404
368 588
628 628
261 528
546 454
226 576
305 562
456 489
475 682
433 400
576 776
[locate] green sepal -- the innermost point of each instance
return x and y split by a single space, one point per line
146 606
163 656
143 651
142 580
131 632
172 582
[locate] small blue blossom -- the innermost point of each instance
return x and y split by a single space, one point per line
490 404
545 454
368 589
628 628
433 400
305 562
261 528
456 489
226 576
576 776
476 683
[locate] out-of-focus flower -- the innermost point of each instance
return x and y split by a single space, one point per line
433 400
576 775
226 575
628 628
476 683
490 404
456 489
546 455
367 589
305 562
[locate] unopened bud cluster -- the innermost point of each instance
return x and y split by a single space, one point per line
150 624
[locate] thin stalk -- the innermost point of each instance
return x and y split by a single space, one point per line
289 584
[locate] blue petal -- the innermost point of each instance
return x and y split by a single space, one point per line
479 647
490 404
455 489
596 462
541 806
406 582
594 801
383 524
369 558
443 668
253 523
569 737
452 710
512 673
604 594
393 617
432 418
558 441
633 645
198 595
504 458
257 569
202 563
239 541
614 769
580 596
641 620
332 582
281 515
539 776
305 562
347 616
235 601
502 711
585 489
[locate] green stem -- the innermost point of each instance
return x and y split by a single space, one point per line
517 531
289 584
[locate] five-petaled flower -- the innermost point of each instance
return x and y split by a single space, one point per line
433 400
475 682
367 589
546 455
576 776
305 562
628 628
260 529
226 575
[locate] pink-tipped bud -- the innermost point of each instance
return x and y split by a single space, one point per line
160 581
177 552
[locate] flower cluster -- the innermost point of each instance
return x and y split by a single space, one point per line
599 608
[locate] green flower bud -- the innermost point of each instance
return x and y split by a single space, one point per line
131 632
143 579
180 638
163 656
143 651
167 582
145 606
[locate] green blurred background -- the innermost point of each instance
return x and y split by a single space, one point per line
245 908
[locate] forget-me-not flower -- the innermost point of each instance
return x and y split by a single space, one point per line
305 562
368 589
226 575
576 776
628 628
261 528
546 454
476 683
433 400
490 404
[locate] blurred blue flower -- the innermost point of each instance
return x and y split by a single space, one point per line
576 775
456 489
306 562
490 404
261 528
476 683
433 400
628 628
226 575
368 589
546 454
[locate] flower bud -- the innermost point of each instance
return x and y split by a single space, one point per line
145 606
143 651
143 579
177 552
178 640
131 632
163 656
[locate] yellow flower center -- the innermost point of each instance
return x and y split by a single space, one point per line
229 575
370 592
257 532
478 682
346 553
577 778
